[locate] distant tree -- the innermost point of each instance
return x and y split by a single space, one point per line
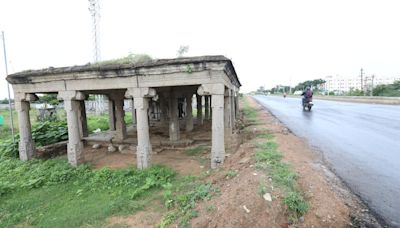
390 90
183 49
355 92
315 84
48 99
5 101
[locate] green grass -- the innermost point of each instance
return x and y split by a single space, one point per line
101 121
53 194
195 151
182 200
269 160
231 173
5 130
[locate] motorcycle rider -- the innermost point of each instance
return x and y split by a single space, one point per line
307 94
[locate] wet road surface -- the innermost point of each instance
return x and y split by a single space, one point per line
361 143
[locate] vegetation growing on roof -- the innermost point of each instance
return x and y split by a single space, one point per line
129 59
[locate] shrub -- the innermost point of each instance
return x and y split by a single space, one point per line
43 133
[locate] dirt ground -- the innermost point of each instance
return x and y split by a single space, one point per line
239 203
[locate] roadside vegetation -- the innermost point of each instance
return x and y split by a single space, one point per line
269 160
51 193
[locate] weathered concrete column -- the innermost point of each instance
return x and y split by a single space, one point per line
233 116
174 133
206 107
120 126
133 112
164 110
143 150
237 113
199 110
75 146
228 113
189 112
83 127
218 132
26 144
111 114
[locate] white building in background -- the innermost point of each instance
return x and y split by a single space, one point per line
344 84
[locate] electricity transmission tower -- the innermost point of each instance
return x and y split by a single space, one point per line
94 9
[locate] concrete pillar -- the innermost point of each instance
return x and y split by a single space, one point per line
164 110
233 109
189 112
141 98
120 125
199 110
237 105
228 113
75 145
143 136
83 127
111 114
217 92
133 112
206 107
218 145
26 144
174 133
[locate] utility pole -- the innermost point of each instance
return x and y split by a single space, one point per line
8 87
361 76
372 85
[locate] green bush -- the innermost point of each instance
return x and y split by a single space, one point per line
43 133
18 175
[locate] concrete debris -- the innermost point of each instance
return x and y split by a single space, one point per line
246 209
97 130
267 197
121 148
111 148
96 146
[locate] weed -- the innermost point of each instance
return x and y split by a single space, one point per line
231 173
54 194
211 208
195 151
270 159
262 188
183 204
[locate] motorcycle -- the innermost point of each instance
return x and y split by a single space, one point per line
307 104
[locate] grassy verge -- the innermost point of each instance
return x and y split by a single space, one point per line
269 160
53 194
181 198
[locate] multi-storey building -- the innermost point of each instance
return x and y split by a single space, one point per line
344 84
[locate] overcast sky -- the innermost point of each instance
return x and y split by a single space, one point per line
269 42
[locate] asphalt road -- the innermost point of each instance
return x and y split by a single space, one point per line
361 143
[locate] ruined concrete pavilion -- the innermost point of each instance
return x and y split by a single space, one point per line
159 84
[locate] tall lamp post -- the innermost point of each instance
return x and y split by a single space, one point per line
8 87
